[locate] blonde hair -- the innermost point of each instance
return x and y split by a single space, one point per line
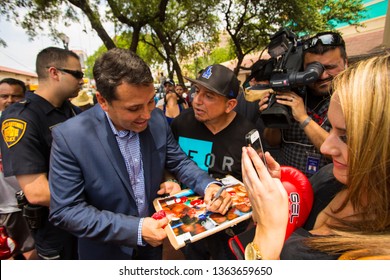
355 245
364 94
363 91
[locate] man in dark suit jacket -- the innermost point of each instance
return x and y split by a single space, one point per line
107 166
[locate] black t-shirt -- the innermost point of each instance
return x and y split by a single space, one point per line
218 154
295 248
325 187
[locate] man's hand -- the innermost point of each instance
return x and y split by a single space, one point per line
169 187
153 232
263 102
296 103
221 204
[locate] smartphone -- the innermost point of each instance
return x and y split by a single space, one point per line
253 140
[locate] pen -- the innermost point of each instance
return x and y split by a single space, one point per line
218 194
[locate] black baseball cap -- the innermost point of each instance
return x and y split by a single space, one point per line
169 81
219 79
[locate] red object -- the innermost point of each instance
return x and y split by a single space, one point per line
159 215
7 244
196 202
181 199
232 193
300 197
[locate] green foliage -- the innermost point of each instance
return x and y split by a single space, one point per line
216 56
184 30
220 55
123 41
310 17
145 51
91 61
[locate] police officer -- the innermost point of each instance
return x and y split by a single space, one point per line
26 142
11 91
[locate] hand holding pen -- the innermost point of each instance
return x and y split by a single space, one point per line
217 199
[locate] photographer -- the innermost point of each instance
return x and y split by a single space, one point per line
301 142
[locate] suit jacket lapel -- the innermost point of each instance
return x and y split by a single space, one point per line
110 146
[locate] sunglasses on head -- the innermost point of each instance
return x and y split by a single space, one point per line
326 39
75 73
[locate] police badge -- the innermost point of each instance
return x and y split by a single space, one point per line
13 130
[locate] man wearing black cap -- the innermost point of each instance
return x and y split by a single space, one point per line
169 86
212 134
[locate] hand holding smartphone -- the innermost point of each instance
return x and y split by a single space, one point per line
253 140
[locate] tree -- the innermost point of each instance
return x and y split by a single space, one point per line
123 41
184 23
178 29
250 23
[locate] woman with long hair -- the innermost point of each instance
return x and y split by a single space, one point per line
356 223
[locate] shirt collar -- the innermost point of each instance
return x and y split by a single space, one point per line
119 133
66 107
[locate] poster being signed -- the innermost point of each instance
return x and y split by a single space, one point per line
189 219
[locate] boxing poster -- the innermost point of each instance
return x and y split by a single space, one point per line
189 221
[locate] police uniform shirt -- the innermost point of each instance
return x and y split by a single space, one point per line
26 134
26 143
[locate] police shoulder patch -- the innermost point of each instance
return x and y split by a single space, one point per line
13 130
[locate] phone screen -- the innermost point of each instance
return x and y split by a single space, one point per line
253 140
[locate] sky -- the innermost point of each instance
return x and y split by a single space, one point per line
20 53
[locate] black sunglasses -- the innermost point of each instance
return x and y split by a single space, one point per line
326 39
75 73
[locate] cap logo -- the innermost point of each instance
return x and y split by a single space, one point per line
207 73
13 130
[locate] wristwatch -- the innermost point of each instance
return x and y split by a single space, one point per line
252 252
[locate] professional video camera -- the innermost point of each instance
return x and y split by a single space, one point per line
287 74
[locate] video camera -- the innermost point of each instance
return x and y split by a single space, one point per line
287 74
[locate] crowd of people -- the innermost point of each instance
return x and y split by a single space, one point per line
89 170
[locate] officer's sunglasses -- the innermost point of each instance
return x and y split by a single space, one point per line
75 73
325 38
